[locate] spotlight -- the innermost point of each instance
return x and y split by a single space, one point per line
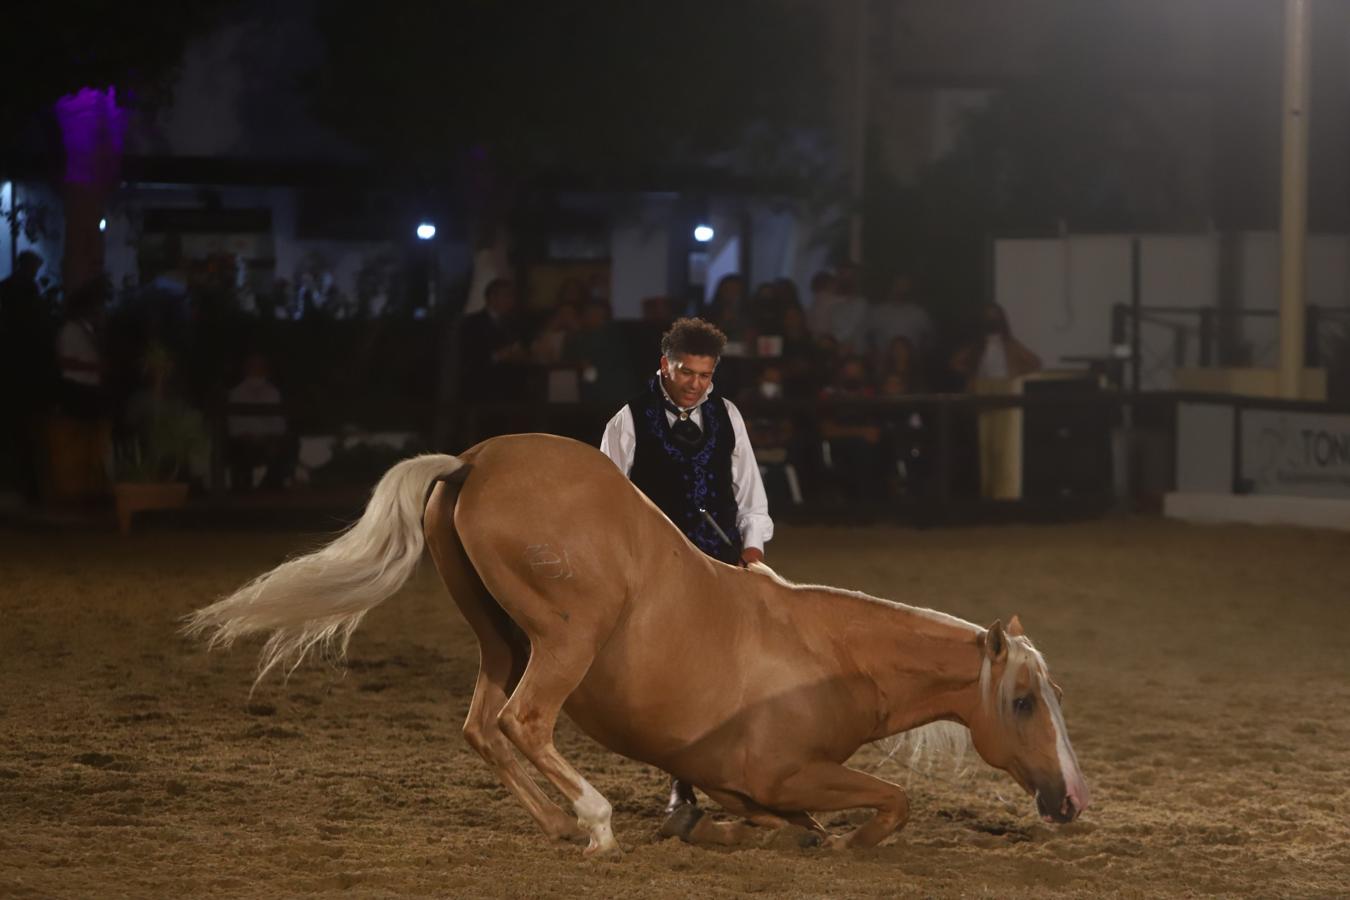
703 233
102 224
426 231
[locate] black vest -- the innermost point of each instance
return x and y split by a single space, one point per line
680 479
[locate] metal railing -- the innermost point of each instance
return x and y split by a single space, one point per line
1219 335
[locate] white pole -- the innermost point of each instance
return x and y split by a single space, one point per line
1293 196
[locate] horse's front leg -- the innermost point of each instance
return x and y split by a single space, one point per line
830 787
691 824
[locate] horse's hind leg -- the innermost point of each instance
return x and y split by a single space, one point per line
554 671
503 653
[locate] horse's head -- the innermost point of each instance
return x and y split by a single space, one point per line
1018 726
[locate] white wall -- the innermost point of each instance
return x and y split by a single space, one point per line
1059 291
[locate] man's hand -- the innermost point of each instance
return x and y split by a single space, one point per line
751 555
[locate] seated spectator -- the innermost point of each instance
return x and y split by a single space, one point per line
258 436
773 435
571 292
994 353
824 297
788 295
901 316
852 438
898 373
802 356
547 347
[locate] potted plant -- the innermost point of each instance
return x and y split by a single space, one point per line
149 469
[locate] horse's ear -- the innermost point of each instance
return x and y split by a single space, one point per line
1015 627
995 642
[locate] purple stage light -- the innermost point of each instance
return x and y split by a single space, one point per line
92 128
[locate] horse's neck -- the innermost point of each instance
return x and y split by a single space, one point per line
925 665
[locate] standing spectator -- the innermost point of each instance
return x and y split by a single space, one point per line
687 449
79 355
995 353
726 309
646 334
80 434
765 310
492 349
599 352
27 371
901 316
848 316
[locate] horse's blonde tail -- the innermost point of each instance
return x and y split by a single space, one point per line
318 600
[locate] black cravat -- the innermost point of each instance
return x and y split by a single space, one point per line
685 430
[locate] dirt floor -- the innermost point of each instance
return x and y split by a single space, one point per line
1206 671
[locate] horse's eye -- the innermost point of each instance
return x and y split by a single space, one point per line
1022 705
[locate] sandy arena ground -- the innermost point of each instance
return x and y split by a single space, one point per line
1207 691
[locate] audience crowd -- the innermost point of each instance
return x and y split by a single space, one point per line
807 370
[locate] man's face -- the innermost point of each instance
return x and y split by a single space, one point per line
687 378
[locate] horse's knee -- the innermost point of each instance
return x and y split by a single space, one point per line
522 730
895 808
476 736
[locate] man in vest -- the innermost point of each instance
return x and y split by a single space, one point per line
687 449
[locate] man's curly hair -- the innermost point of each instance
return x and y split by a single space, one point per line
693 337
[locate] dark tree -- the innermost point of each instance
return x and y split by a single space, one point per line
54 48
606 86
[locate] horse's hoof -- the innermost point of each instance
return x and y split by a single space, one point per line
681 822
574 834
612 853
791 837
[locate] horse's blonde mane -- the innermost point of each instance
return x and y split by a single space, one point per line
930 614
1022 654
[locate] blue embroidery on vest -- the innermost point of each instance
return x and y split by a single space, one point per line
699 491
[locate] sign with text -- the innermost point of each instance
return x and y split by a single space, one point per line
1294 453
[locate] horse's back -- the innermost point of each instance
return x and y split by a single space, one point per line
554 529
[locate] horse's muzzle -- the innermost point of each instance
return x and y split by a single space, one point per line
1057 807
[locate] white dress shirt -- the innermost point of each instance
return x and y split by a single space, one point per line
619 443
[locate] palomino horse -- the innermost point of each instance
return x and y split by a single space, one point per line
584 597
